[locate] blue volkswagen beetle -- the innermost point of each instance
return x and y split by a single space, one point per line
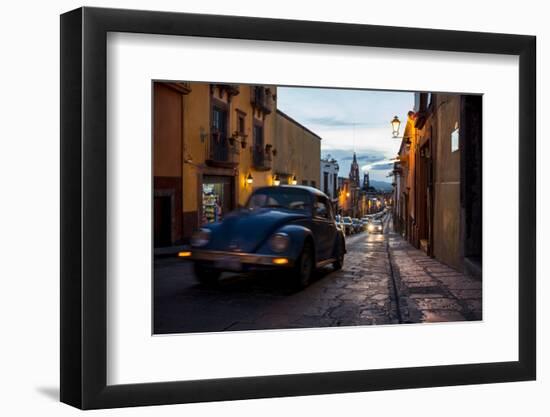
287 228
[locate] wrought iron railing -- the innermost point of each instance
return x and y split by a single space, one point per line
221 151
261 157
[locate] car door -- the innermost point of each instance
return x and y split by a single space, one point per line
324 228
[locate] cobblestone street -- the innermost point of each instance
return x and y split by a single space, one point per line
384 281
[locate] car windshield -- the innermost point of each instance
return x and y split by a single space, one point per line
347 220
376 222
280 197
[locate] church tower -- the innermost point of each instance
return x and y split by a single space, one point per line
366 181
354 172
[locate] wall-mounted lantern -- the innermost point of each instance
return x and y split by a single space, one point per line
294 180
395 124
249 179
276 180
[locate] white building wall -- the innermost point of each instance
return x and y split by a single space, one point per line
329 185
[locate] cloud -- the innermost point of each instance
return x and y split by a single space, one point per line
367 156
381 167
331 121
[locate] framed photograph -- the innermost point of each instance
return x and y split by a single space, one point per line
257 208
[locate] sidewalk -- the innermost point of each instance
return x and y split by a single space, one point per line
430 291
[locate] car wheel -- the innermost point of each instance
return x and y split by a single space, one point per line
205 275
339 262
303 270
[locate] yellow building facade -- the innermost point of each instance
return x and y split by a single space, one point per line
213 144
297 152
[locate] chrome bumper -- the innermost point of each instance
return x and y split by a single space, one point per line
241 257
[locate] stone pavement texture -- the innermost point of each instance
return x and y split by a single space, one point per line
384 281
430 291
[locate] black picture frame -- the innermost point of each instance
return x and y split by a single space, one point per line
84 207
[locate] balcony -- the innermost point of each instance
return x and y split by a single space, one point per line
221 151
231 89
261 157
261 99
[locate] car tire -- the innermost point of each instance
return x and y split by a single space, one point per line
304 267
205 275
339 262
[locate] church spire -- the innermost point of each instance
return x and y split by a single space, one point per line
354 172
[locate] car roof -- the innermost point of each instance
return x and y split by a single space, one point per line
311 190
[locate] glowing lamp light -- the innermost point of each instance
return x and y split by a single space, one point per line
395 123
184 254
294 180
249 179
276 181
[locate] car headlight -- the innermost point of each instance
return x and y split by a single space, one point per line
200 238
371 228
279 242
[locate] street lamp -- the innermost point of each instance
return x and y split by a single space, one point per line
276 180
395 123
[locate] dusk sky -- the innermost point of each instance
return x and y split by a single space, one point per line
350 120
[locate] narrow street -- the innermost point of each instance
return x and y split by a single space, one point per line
384 281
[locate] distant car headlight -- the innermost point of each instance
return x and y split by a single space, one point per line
200 238
279 242
371 227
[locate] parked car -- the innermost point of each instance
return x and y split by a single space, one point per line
376 226
339 224
288 228
357 225
348 225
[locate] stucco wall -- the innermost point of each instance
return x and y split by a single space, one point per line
298 151
447 232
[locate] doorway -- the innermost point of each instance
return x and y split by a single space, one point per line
163 221
218 195
424 205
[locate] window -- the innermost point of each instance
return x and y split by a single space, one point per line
288 198
313 184
455 141
321 208
335 185
304 182
219 121
258 136
241 117
259 151
218 147
325 182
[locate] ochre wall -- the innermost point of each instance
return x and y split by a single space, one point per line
447 232
182 136
298 152
197 118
